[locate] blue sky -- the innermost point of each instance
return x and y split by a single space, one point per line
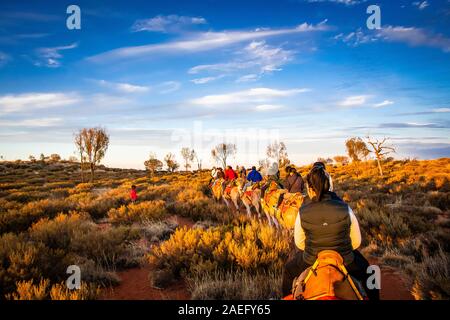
161 75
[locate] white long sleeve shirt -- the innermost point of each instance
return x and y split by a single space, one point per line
355 232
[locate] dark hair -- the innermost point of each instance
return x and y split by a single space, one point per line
253 168
287 169
133 187
319 164
293 170
318 180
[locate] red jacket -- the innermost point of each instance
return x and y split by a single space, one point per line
230 174
133 194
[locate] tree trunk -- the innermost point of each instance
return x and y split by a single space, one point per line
379 167
92 172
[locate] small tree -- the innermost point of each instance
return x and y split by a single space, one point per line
356 149
55 157
42 157
32 158
171 163
73 159
278 151
222 151
198 160
188 156
341 160
380 150
92 144
153 164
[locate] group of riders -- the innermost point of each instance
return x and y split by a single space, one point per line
325 262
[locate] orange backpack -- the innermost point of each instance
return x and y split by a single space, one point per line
327 279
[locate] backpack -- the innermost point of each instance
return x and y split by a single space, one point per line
327 279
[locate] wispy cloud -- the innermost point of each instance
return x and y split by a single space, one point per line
354 101
257 56
31 101
399 125
421 4
383 104
4 59
170 23
169 86
123 87
254 95
203 41
431 111
51 57
346 2
410 35
206 79
268 107
415 37
40 122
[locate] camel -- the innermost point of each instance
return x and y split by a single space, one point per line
231 193
282 215
250 198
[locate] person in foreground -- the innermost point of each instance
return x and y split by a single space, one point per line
325 222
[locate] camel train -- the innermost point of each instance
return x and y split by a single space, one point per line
268 195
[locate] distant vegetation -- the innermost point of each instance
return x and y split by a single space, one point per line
50 219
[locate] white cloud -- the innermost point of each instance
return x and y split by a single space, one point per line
170 23
50 57
268 107
409 35
254 95
31 101
4 58
415 37
203 41
354 101
346 2
42 122
205 79
441 110
124 87
248 78
421 5
257 57
169 86
383 104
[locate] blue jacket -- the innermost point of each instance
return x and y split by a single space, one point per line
254 176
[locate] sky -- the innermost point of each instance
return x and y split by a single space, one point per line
162 75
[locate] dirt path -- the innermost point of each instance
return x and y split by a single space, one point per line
393 284
135 283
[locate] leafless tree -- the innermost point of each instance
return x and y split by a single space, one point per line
278 151
380 150
222 151
188 156
342 160
92 144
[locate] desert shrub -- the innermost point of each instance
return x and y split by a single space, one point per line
16 220
27 290
250 247
432 279
138 211
235 285
156 231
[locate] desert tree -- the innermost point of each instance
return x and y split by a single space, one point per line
42 157
356 149
198 160
92 144
171 163
32 158
380 149
222 152
341 160
54 157
188 156
153 164
278 151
